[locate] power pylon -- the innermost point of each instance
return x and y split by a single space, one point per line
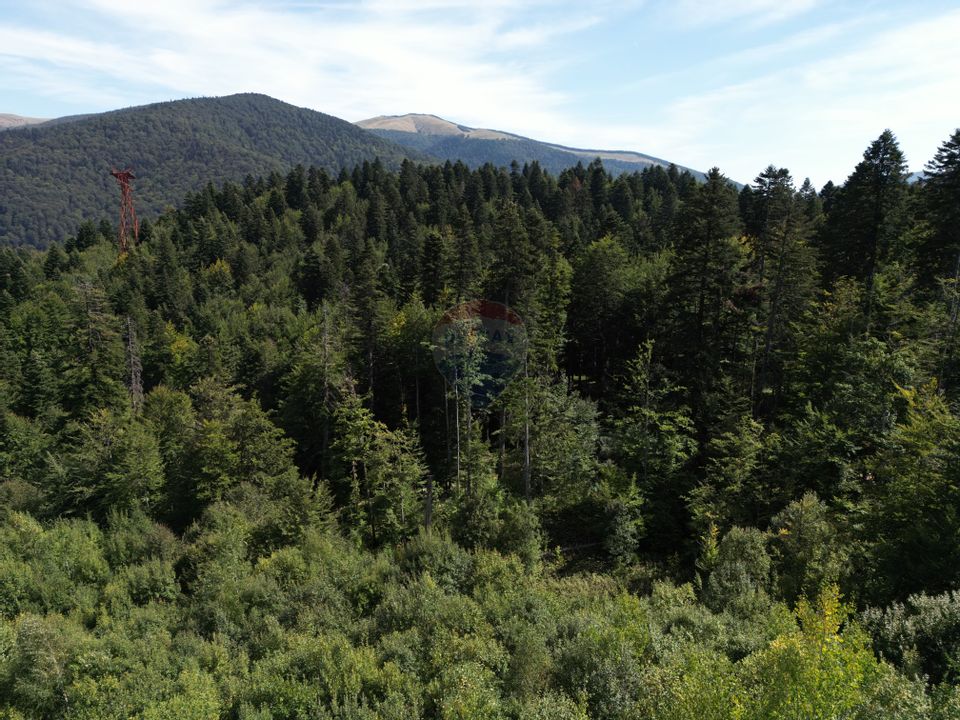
128 216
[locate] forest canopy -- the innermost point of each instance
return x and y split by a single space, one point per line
724 483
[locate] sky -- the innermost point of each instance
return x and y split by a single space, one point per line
737 84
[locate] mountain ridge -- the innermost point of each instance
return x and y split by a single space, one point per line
454 141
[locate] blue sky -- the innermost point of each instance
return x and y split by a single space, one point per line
740 84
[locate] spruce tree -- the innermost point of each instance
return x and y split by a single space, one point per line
866 218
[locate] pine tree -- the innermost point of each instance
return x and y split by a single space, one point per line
510 278
296 188
312 386
310 275
466 257
938 257
866 218
707 267
652 439
114 465
93 377
436 264
783 267
914 531
385 475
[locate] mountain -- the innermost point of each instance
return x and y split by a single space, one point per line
8 121
475 146
54 175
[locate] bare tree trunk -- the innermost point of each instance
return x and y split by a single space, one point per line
416 389
366 493
526 436
325 443
446 424
428 504
948 344
135 368
370 366
469 449
456 406
502 444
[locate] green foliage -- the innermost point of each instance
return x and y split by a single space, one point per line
693 685
733 491
385 475
867 215
915 491
739 577
599 653
816 671
115 464
232 483
562 432
921 635
653 439
175 147
807 548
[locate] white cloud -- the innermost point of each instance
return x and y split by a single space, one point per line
353 61
834 87
754 12
815 117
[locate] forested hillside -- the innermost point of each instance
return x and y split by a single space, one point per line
54 175
724 484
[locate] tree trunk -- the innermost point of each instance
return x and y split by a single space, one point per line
428 504
526 436
135 368
456 408
469 448
501 452
947 354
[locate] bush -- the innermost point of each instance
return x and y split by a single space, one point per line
599 655
740 579
922 635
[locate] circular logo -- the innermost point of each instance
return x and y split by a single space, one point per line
478 346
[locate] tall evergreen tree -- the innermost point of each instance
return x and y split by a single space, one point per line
866 218
707 267
938 257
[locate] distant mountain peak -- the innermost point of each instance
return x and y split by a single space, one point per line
9 120
425 124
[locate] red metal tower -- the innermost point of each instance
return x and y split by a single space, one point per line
128 216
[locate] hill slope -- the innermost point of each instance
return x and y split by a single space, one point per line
476 146
54 175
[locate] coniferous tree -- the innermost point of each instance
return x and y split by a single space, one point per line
938 257
866 218
653 437
706 270
783 266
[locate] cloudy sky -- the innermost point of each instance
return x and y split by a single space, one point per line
740 84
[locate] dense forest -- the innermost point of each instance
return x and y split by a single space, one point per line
56 174
725 482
